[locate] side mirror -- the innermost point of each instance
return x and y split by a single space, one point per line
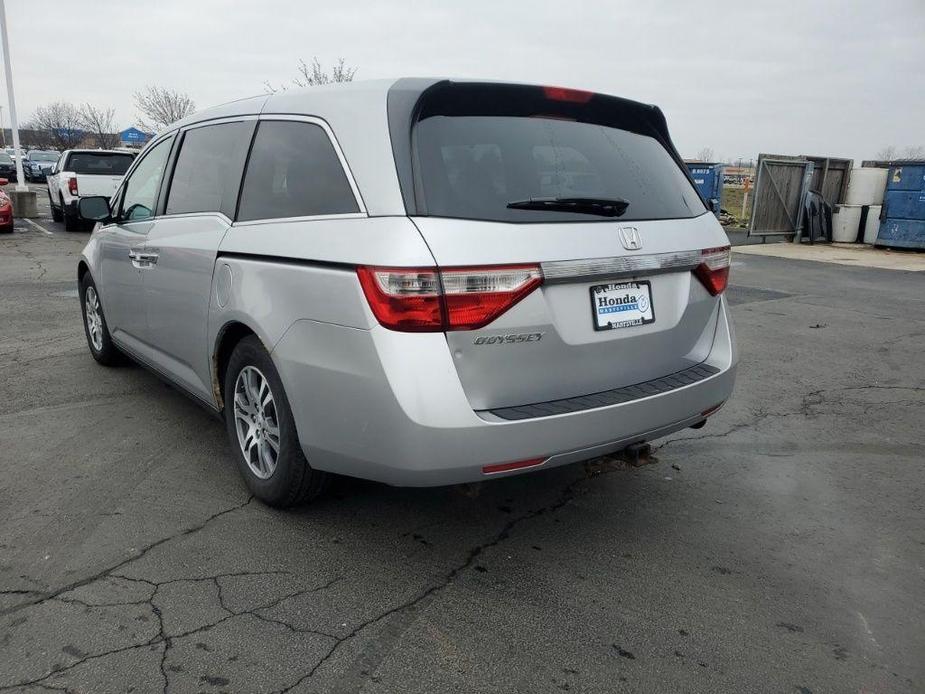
95 208
3 181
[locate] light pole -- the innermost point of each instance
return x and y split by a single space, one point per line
23 199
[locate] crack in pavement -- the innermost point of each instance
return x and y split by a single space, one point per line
110 571
409 607
449 577
809 400
161 637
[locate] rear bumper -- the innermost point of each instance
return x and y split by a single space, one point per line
389 407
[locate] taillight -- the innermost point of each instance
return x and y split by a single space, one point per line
403 299
72 185
572 96
476 296
713 271
431 300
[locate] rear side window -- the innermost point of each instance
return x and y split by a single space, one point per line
101 164
293 171
208 169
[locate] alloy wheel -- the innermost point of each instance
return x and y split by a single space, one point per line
93 318
256 422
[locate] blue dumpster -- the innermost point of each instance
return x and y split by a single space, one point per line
708 179
902 219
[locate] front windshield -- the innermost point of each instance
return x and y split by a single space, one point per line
44 156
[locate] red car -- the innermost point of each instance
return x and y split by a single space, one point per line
6 210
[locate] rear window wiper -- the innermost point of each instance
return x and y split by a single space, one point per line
605 207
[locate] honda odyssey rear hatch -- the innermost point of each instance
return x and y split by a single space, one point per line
573 254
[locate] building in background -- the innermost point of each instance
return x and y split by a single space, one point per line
133 137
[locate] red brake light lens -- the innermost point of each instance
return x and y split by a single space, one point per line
72 185
431 300
474 297
572 96
713 271
405 299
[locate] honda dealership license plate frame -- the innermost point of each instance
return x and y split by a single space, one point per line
626 305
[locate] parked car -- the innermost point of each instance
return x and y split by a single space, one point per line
37 163
372 280
7 167
83 172
6 210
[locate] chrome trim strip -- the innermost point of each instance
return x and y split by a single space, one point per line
620 266
307 218
222 217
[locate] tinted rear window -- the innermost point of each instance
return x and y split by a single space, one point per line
99 164
294 171
472 166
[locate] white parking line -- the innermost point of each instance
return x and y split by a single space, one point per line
37 226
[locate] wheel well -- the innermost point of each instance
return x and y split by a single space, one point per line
230 336
82 270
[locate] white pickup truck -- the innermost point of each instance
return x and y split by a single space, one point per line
83 172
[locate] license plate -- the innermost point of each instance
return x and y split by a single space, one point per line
622 305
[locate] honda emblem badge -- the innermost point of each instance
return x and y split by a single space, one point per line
630 238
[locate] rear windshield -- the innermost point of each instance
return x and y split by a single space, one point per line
474 166
103 164
520 153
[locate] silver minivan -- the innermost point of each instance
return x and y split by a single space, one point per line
421 281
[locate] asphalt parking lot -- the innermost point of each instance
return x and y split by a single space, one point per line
779 549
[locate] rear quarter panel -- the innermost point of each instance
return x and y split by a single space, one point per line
269 275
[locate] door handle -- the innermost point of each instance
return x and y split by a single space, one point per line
142 260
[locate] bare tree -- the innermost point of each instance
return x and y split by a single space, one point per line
888 153
160 106
100 124
61 121
314 74
893 153
705 154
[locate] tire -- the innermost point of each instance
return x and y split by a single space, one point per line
100 343
288 479
71 221
56 214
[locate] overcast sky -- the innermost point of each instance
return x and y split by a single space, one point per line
835 78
